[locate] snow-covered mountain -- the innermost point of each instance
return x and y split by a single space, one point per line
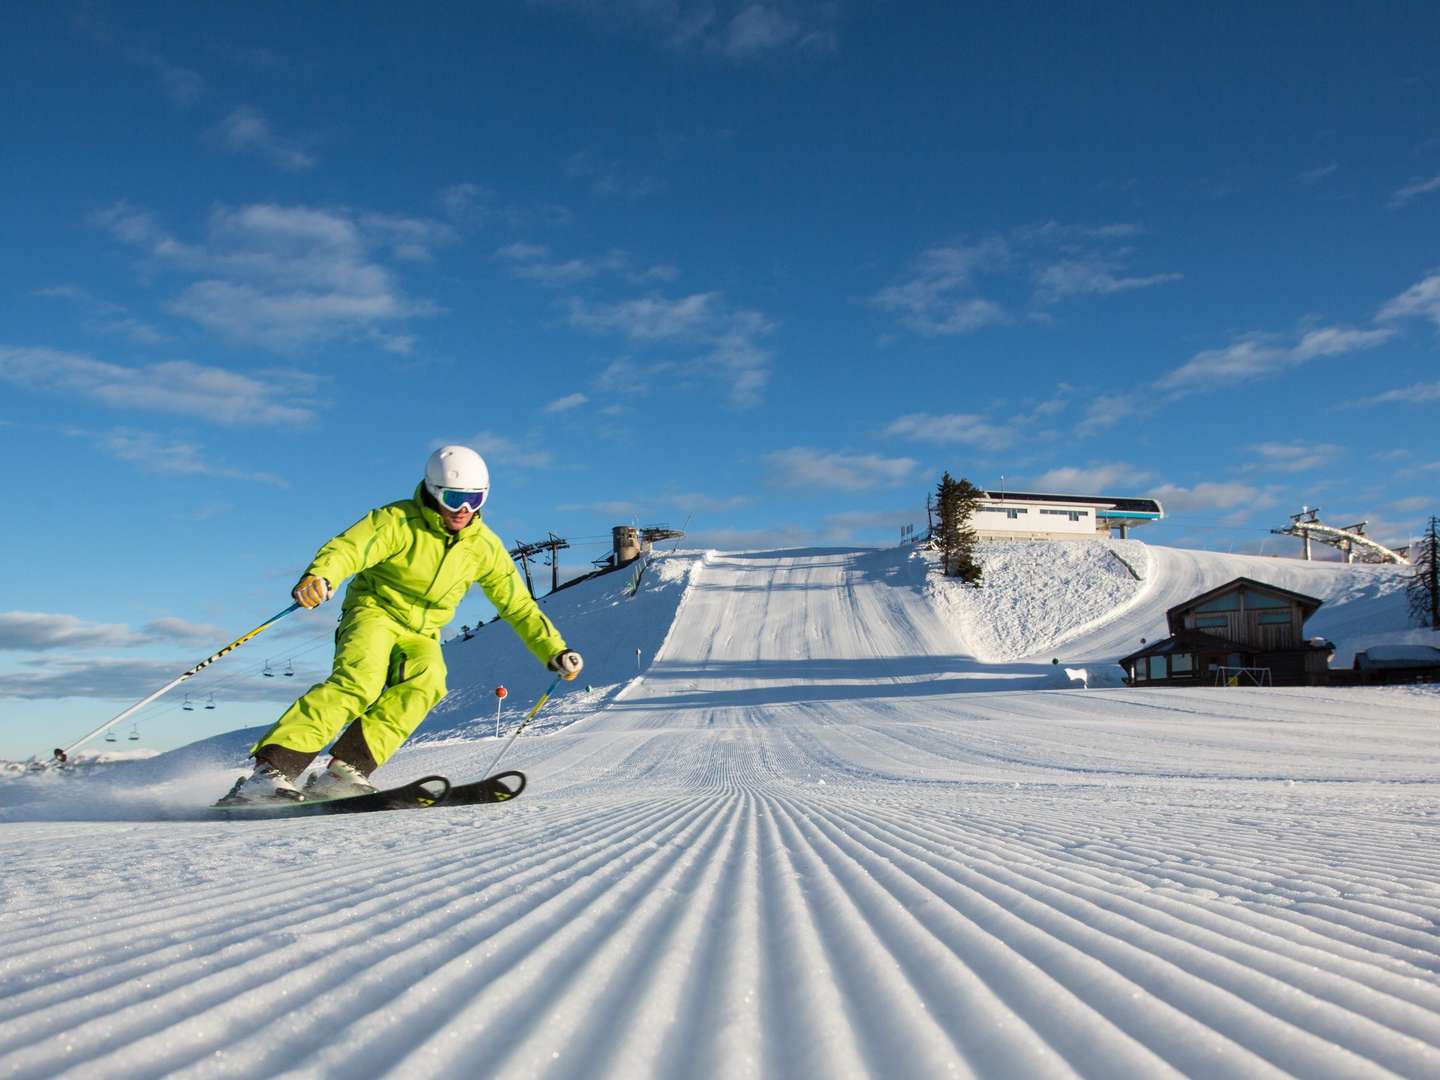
836 816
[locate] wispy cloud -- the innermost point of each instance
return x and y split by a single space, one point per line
160 454
1420 301
1210 495
176 386
1415 394
966 429
246 130
1320 172
536 262
1102 478
1256 356
38 631
182 85
723 344
1292 457
566 403
109 678
740 31
961 287
1414 190
609 178
500 449
104 317
703 503
283 277
806 467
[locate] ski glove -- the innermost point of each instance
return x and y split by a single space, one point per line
312 591
567 664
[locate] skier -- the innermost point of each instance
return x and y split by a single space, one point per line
412 562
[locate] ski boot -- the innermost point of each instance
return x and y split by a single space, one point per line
266 784
340 780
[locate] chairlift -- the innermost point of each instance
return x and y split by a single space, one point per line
267 672
110 736
134 732
188 706
211 703
289 668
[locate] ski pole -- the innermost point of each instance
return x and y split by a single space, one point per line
528 717
64 751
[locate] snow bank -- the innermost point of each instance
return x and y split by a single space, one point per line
1036 595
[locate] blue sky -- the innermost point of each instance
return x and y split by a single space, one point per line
765 268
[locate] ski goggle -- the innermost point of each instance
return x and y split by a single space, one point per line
457 499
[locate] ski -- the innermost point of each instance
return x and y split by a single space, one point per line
419 794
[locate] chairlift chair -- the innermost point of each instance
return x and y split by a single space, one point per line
289 667
210 704
267 672
135 733
188 706
110 736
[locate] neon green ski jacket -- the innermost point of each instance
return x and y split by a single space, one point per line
408 565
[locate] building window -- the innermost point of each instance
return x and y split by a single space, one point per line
1139 673
1182 663
1157 667
1228 602
1073 515
1274 618
1261 600
1204 621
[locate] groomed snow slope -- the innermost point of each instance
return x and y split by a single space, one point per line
811 839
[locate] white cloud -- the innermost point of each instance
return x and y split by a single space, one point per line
1320 172
967 429
502 450
108 678
1209 496
284 277
246 129
1415 394
740 31
933 298
182 85
176 386
724 344
609 178
566 403
1111 478
1420 301
37 631
1293 457
647 318
155 453
802 466
1091 275
104 317
1414 190
1258 355
1034 266
533 262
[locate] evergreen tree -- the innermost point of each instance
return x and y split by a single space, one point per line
957 501
1424 583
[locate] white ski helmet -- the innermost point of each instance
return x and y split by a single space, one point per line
457 478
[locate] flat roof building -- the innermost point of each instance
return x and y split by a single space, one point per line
1022 515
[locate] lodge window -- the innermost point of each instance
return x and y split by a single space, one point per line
1274 618
1228 602
1182 663
1157 667
1073 515
1211 620
1261 600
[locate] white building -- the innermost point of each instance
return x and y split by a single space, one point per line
1018 515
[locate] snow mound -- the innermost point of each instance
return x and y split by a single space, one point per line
1035 595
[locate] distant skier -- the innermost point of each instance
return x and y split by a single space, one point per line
412 562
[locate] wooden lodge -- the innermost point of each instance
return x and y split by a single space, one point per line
1244 632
